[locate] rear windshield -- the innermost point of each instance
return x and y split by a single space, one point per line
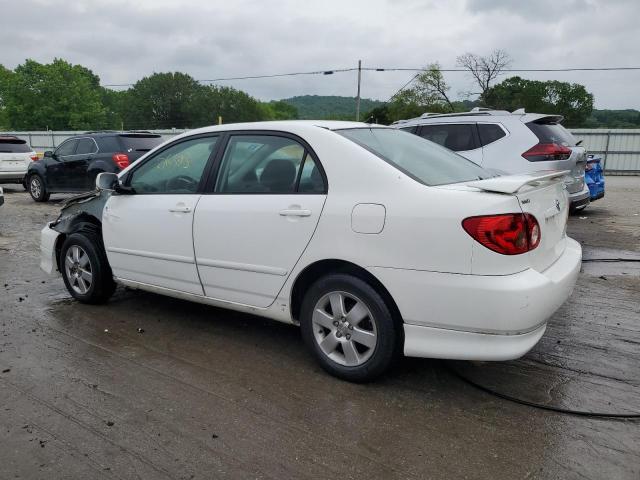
13 145
424 161
552 133
140 143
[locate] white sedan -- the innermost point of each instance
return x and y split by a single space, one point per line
375 241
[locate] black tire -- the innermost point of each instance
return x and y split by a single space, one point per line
37 188
380 322
101 285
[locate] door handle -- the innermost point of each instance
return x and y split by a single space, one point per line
295 212
178 209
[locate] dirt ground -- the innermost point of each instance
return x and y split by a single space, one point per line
207 393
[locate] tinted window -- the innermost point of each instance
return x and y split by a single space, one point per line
552 133
260 164
311 180
109 144
489 133
178 169
85 146
458 138
13 145
424 161
139 143
67 148
409 129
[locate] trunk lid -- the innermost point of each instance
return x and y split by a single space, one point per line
15 154
544 196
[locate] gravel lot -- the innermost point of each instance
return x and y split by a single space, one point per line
207 393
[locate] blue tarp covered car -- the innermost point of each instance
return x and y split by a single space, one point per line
594 177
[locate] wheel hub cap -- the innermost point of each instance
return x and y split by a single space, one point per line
344 328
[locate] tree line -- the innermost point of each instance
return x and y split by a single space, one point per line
62 96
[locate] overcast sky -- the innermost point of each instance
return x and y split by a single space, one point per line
124 41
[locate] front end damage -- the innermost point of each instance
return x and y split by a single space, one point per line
80 213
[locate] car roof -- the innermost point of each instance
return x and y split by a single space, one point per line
285 125
478 114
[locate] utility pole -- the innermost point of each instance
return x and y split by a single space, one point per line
358 96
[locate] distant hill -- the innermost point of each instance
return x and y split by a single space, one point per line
330 107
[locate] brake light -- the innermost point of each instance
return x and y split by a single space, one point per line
507 234
34 157
547 151
121 160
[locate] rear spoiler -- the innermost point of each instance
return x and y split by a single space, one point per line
514 183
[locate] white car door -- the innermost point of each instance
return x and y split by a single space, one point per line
252 229
462 138
148 234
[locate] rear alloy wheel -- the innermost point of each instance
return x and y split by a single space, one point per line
349 328
85 268
37 188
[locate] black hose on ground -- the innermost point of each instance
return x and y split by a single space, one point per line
568 411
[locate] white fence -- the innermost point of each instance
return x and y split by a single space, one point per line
619 148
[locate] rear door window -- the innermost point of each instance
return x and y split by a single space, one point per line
86 146
262 164
13 145
456 137
489 133
552 133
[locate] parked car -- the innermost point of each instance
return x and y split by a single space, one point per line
594 177
376 242
74 165
15 157
509 143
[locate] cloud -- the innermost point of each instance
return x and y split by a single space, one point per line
124 41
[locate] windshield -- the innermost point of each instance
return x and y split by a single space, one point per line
552 133
421 159
13 145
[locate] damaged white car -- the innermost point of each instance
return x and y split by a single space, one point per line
375 241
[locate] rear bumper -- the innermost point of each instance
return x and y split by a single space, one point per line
581 198
12 177
455 345
479 317
48 239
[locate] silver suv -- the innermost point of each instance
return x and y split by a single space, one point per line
508 142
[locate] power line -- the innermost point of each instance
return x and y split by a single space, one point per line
398 69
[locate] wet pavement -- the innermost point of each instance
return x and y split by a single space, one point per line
152 387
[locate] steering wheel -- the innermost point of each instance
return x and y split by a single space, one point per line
182 182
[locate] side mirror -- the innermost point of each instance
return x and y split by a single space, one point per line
111 183
107 181
48 154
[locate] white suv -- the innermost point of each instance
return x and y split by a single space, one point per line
15 157
508 142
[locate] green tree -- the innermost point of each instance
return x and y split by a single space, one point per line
281 110
5 78
163 100
59 95
570 100
230 104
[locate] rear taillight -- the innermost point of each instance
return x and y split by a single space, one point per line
543 152
508 234
34 158
121 160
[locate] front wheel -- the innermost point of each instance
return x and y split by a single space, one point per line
349 328
37 188
85 268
